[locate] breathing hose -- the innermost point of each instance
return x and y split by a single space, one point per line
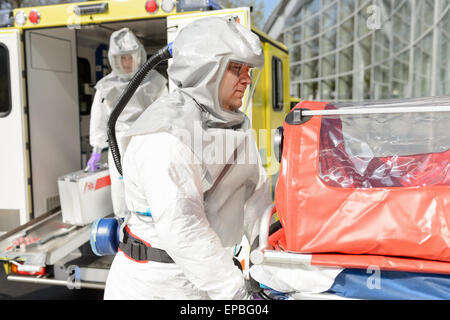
162 55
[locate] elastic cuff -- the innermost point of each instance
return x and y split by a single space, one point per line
97 150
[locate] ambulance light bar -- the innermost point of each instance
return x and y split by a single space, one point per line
20 18
196 5
34 16
6 18
88 9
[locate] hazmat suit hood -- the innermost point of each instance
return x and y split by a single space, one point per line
201 53
122 42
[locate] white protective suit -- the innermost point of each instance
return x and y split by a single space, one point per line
108 90
174 153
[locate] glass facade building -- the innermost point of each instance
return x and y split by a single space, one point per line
365 49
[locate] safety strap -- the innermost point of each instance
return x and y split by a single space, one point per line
139 251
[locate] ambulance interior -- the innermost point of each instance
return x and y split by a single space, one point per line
93 64
63 66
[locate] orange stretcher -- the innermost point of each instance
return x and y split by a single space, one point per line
355 211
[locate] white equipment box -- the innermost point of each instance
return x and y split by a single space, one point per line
85 196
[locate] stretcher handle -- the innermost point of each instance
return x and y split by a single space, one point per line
374 110
257 255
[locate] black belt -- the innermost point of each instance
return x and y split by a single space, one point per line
139 251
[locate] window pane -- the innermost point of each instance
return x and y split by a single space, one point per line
347 32
424 16
329 65
347 9
382 46
277 84
297 34
295 54
386 6
312 7
329 17
310 91
401 67
326 3
5 88
363 52
329 41
444 56
381 91
312 27
382 73
311 70
402 26
288 38
346 60
296 17
345 88
362 20
422 67
296 72
328 90
399 89
311 48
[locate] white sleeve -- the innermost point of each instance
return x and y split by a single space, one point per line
256 204
171 181
98 137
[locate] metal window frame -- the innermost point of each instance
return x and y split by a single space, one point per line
277 76
4 114
394 11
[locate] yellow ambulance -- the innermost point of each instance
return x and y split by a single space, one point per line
50 59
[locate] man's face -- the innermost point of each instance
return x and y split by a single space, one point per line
127 63
233 85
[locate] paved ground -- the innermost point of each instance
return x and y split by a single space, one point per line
25 291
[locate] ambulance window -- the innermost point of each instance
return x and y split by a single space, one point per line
277 84
84 80
5 87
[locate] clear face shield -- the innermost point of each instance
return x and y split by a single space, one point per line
126 64
238 86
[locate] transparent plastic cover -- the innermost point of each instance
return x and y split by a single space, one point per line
386 150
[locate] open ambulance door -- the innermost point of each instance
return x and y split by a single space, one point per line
176 23
14 193
54 119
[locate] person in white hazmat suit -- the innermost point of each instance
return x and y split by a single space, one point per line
126 55
193 176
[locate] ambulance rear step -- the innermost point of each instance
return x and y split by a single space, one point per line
41 251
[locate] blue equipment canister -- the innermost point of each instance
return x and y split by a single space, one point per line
104 236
